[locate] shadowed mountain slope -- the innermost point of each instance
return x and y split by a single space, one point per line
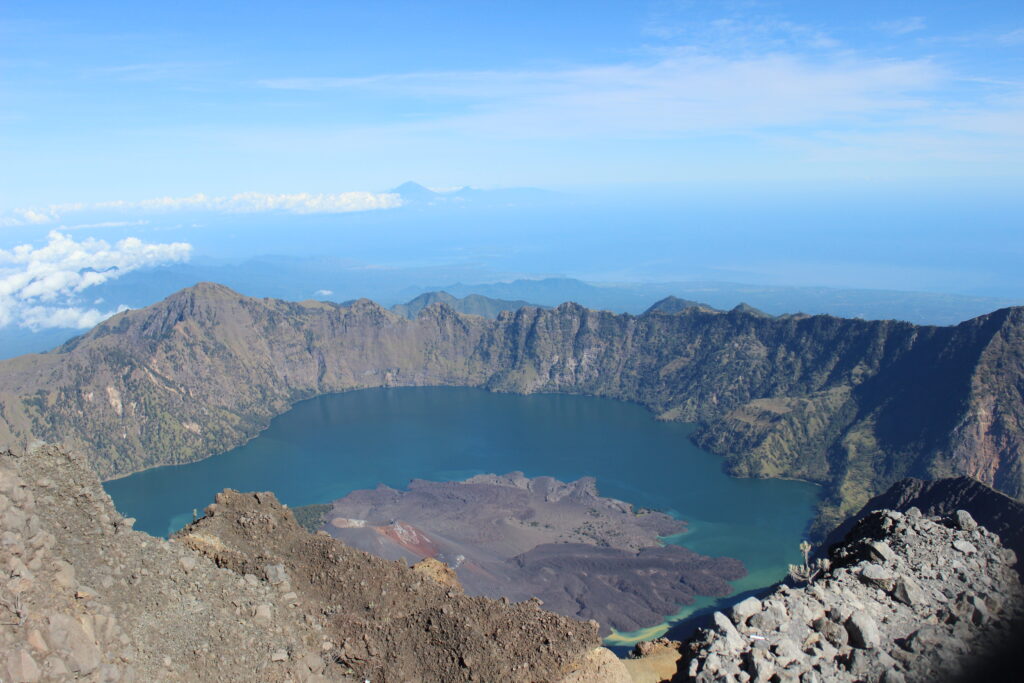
852 404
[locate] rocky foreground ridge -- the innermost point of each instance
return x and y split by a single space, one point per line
243 595
906 598
993 510
852 404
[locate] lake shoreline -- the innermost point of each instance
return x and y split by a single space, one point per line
328 446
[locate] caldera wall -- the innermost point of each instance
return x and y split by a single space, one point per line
851 404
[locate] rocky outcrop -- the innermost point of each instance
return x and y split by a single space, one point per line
852 404
85 597
387 621
242 595
995 511
907 598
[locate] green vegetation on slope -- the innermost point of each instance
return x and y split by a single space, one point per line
311 517
852 404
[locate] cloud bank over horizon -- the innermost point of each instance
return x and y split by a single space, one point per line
871 144
243 202
44 287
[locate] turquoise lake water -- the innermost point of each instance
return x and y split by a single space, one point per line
328 446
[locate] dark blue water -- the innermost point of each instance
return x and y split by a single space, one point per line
326 447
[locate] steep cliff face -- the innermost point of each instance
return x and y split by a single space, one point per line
852 404
205 369
987 441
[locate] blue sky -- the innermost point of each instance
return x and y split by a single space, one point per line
868 144
106 101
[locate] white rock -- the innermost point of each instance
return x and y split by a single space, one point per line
743 609
732 636
966 547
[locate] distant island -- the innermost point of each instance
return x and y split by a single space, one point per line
583 555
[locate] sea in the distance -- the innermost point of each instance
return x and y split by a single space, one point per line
326 447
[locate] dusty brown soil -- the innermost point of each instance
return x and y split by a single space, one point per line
95 600
386 621
244 595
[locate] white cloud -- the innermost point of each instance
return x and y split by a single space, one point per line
323 292
743 31
688 94
683 92
901 27
27 217
104 224
244 202
74 317
1014 37
39 286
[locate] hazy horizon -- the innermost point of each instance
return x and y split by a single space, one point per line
774 144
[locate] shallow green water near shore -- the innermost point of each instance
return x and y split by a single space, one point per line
328 446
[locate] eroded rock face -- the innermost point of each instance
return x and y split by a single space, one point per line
908 598
246 596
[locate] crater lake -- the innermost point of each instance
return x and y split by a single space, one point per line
329 446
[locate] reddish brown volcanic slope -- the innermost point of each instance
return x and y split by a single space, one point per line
585 556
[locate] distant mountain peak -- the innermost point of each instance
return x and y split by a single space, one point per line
428 298
413 192
673 304
410 190
744 307
473 304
